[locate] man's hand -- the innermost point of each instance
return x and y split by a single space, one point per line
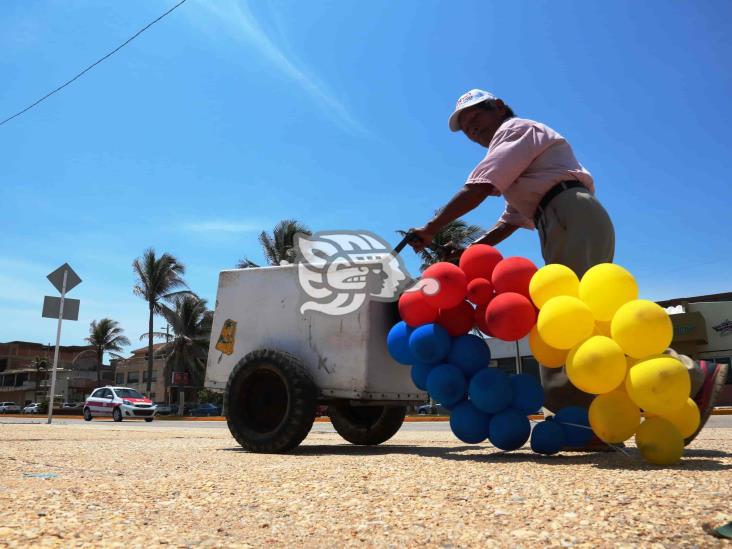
421 238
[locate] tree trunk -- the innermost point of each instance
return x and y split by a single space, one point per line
181 401
100 356
150 351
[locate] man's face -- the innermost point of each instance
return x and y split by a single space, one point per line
480 124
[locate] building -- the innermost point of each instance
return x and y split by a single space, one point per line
702 330
132 372
22 382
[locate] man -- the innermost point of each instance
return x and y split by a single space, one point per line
544 187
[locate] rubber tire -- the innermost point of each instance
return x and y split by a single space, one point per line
87 414
280 380
366 425
117 414
148 419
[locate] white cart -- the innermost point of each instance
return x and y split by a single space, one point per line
276 365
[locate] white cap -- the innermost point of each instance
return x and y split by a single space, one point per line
473 97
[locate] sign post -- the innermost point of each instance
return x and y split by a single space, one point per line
64 279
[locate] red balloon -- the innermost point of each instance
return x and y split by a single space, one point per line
414 309
480 319
480 291
510 316
479 260
513 274
450 288
458 320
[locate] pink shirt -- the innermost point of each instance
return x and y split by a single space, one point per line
525 159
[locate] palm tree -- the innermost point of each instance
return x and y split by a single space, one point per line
456 234
156 279
280 245
105 336
190 322
187 349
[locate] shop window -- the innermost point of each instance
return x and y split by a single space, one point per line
530 366
508 365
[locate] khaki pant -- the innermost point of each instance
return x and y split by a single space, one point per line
576 231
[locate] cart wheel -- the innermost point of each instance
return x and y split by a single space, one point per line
270 402
366 425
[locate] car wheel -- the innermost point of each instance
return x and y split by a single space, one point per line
87 414
148 419
366 425
270 402
117 414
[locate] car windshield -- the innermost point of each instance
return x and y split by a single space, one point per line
128 393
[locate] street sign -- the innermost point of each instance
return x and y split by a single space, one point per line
52 308
57 278
180 379
64 279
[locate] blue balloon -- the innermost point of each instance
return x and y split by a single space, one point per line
429 343
397 341
469 353
468 423
528 396
569 418
509 430
446 384
419 374
548 438
490 390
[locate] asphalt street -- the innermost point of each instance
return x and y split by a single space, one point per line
717 422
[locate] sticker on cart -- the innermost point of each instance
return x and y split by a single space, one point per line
227 337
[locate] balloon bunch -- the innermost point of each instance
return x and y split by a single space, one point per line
568 427
451 364
611 345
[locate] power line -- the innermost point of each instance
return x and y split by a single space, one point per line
115 50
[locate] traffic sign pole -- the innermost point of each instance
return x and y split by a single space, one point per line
55 353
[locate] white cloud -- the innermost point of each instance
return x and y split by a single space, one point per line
222 226
237 17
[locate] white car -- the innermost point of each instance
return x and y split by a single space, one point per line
120 403
9 408
32 408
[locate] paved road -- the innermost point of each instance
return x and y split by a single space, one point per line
717 422
171 484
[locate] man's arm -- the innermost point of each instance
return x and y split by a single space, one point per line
500 232
466 199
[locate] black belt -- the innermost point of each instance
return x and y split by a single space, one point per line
553 193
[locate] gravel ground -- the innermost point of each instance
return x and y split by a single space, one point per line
136 485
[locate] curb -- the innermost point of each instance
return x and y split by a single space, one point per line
719 411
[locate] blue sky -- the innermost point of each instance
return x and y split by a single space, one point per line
228 116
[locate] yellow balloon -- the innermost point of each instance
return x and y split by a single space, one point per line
552 280
659 385
605 288
659 441
686 419
597 366
642 328
602 328
565 321
614 417
545 355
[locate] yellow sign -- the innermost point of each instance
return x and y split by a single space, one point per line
225 343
